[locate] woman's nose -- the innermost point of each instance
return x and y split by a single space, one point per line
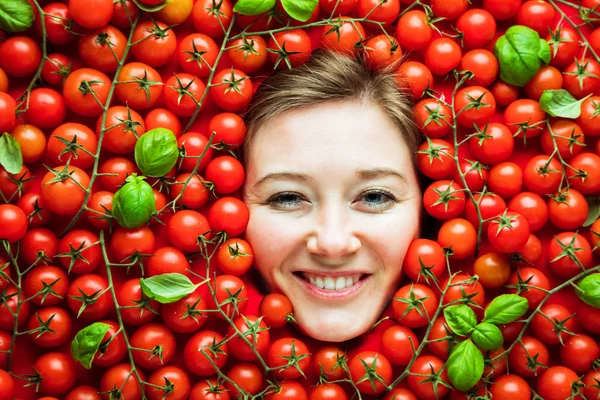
333 236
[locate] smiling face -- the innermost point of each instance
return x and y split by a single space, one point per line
350 215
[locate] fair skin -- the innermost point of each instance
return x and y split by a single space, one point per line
333 223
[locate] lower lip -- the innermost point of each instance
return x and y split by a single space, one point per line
333 294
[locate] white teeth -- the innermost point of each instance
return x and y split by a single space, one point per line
329 283
332 283
319 282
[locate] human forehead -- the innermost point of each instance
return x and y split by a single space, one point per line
348 131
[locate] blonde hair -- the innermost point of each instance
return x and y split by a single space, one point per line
332 76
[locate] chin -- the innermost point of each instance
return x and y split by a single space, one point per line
334 327
337 336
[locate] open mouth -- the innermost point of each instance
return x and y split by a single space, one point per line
335 283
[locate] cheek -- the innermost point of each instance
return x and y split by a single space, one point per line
271 242
393 239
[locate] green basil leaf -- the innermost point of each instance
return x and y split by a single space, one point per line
151 8
505 309
544 53
461 319
487 336
11 157
593 210
518 53
87 342
253 7
134 204
156 152
589 290
560 103
300 10
167 288
465 365
15 15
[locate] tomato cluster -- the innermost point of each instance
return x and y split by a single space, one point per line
512 183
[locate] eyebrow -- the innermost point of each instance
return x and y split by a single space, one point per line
361 174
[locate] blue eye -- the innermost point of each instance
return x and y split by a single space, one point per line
376 199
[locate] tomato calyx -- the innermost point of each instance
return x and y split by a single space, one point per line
214 348
224 146
581 71
523 127
247 47
481 134
129 124
576 388
33 379
464 297
144 303
504 221
71 146
476 166
559 326
236 252
47 290
413 303
446 196
144 84
341 361
103 39
191 311
156 351
183 90
75 254
432 20
522 285
292 360
532 361
476 103
290 318
62 175
217 388
434 152
556 39
157 32
589 15
371 374
282 54
233 299
167 388
136 258
571 139
562 196
435 378
20 181
545 169
85 87
233 84
37 210
436 116
114 393
88 299
61 69
253 328
597 235
569 251
44 326
197 55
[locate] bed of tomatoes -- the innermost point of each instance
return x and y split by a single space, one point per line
79 89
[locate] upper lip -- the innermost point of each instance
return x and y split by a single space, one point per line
333 273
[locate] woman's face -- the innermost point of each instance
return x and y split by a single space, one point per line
320 218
